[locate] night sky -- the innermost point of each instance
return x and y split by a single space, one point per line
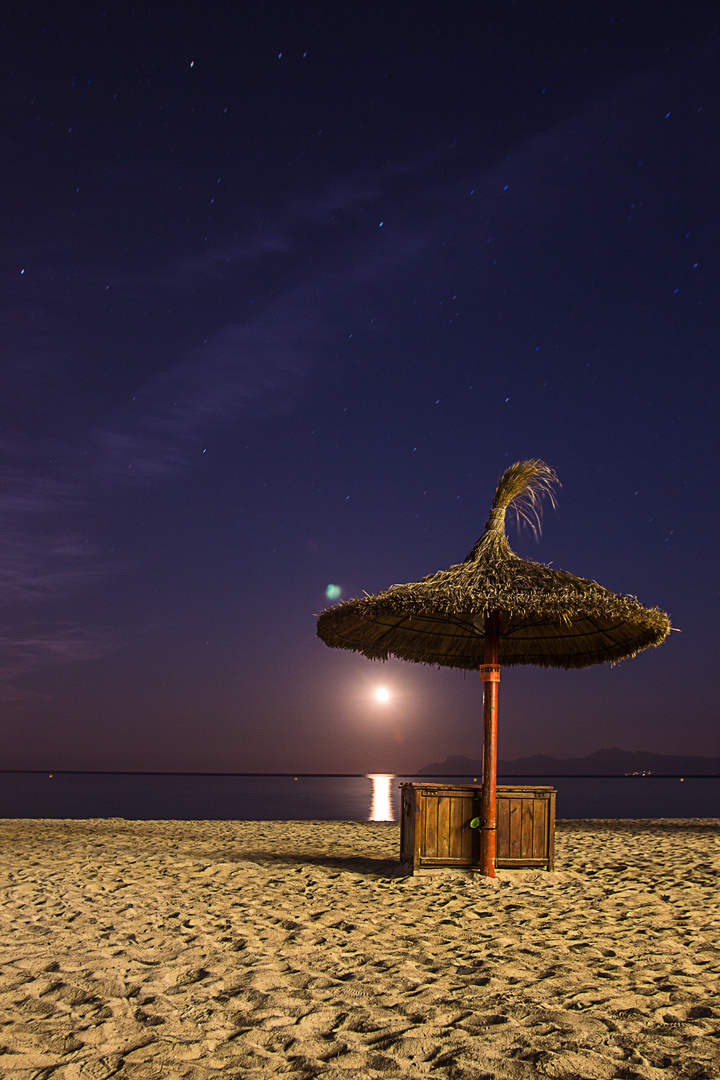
285 288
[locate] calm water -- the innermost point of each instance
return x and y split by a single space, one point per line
156 796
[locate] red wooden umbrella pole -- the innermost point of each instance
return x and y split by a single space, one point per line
490 677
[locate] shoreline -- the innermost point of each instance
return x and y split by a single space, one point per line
147 949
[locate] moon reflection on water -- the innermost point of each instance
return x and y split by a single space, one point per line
381 808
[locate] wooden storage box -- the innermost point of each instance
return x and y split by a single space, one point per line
435 826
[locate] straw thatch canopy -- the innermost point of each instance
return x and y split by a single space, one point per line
546 617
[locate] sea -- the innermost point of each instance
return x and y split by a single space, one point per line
283 797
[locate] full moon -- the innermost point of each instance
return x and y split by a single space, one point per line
382 694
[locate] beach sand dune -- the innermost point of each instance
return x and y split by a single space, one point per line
259 949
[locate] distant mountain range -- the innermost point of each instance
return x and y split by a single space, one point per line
613 762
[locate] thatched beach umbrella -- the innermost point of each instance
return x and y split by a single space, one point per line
493 609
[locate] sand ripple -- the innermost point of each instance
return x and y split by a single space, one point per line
150 950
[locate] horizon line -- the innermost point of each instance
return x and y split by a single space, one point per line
421 776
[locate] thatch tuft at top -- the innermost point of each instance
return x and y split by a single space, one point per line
546 617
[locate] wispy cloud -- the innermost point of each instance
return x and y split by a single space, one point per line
261 309
26 647
46 560
241 371
288 284
44 555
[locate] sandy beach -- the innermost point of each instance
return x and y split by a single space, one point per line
257 949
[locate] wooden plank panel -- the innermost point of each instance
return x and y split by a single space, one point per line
526 827
462 825
515 828
431 826
475 808
468 815
443 827
503 829
413 828
521 864
455 826
421 826
434 847
539 838
421 842
407 825
447 825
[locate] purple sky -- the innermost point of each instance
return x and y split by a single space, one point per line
283 293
